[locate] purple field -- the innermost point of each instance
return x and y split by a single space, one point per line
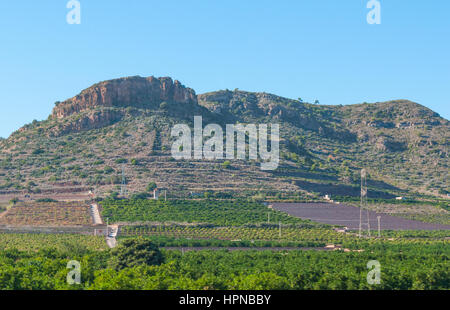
344 215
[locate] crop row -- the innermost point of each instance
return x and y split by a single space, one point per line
35 242
224 213
237 233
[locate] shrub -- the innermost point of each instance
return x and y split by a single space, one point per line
151 186
37 151
226 164
46 200
139 196
136 252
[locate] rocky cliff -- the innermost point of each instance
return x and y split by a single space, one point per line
322 148
136 91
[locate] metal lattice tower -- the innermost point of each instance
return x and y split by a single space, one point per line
364 210
123 187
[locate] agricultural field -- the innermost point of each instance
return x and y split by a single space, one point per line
216 212
389 237
264 233
306 255
235 220
417 234
345 215
430 213
47 214
206 244
60 242
404 265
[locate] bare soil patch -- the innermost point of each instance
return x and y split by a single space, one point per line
345 215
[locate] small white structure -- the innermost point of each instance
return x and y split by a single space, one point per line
400 198
327 197
155 194
341 230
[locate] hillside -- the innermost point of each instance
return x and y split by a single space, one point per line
126 123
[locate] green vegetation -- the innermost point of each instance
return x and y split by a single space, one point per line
403 145
403 266
46 200
322 150
313 237
166 241
36 242
217 212
151 186
135 252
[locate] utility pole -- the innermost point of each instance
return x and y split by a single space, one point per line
363 204
268 217
379 226
123 187
279 223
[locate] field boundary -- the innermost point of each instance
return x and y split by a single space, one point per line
87 230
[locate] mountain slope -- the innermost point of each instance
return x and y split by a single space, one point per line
126 123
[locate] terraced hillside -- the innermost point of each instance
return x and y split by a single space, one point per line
125 124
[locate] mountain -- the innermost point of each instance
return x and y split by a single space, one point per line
137 92
126 123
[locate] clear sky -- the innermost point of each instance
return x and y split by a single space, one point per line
314 49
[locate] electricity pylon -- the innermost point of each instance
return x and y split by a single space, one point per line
363 205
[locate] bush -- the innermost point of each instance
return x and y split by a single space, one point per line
151 186
121 161
139 196
108 170
226 164
38 151
114 195
46 200
136 252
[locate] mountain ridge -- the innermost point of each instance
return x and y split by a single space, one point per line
128 120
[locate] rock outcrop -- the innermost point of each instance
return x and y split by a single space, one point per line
133 91
87 121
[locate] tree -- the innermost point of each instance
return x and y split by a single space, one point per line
121 161
139 196
226 164
136 252
46 200
151 186
114 195
316 101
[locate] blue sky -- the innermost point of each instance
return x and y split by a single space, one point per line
315 49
